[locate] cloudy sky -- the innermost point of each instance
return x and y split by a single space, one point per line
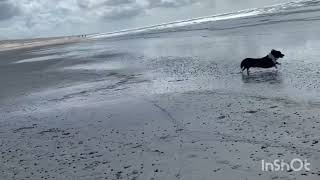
39 18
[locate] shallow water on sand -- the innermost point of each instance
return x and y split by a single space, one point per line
185 61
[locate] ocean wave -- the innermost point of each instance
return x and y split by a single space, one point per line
279 10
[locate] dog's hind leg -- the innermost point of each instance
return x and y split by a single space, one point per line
248 73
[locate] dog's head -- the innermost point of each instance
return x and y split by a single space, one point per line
277 54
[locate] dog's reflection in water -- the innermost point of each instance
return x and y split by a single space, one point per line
271 77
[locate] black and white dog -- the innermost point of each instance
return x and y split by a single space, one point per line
268 61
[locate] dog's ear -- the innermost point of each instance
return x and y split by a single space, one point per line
273 50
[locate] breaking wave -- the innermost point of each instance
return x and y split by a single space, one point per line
302 10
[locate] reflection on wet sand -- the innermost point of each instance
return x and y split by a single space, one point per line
271 77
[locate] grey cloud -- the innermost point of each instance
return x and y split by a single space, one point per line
122 13
93 4
82 4
170 3
119 2
7 10
112 9
126 9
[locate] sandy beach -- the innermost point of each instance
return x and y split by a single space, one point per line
165 105
7 45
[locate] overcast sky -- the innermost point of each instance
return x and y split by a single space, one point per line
35 18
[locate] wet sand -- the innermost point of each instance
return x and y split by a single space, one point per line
162 106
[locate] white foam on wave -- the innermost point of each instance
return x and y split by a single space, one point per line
42 58
275 9
176 24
